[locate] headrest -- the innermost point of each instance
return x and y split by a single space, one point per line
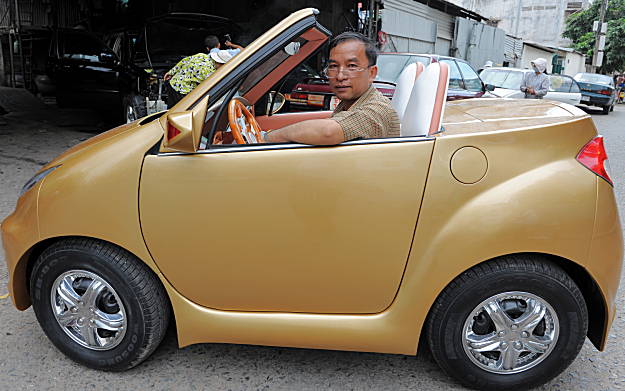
426 106
403 88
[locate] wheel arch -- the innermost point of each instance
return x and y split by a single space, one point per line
593 297
24 268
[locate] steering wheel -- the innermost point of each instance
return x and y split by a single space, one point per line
243 125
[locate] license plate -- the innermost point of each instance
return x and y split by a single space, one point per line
315 100
334 102
585 98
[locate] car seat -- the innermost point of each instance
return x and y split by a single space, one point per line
403 88
426 106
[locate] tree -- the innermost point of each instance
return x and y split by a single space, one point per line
579 30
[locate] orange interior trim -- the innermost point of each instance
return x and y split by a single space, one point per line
435 123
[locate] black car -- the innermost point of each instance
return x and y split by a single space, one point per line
123 73
597 90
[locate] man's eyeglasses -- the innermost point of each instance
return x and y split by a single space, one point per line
332 71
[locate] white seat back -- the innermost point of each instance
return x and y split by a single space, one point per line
426 106
404 86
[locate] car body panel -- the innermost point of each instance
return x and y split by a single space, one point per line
361 208
514 205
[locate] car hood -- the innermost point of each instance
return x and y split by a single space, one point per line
88 144
487 114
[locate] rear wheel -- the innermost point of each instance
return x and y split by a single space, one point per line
606 110
98 304
512 323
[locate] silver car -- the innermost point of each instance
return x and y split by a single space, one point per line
507 82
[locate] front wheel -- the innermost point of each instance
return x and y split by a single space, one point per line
98 304
512 323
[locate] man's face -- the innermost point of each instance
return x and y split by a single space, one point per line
349 55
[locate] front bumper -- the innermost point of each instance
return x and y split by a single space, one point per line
20 232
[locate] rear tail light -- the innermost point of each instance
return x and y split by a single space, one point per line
606 92
299 95
594 157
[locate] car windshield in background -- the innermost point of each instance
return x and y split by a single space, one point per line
502 78
391 65
593 78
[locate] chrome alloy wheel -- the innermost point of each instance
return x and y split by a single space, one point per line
510 332
88 310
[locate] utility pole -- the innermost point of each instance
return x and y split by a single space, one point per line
597 58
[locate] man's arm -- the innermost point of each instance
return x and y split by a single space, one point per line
314 132
524 83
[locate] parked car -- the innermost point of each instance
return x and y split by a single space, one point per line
123 72
597 90
466 239
507 82
314 93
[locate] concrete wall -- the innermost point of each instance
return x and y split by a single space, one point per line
574 63
534 20
530 53
414 27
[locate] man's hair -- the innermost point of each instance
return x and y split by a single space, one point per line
370 50
211 41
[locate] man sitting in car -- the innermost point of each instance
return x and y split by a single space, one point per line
363 111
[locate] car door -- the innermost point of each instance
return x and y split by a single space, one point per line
286 228
560 90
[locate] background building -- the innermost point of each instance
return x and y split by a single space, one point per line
541 21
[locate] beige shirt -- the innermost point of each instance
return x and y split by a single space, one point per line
370 116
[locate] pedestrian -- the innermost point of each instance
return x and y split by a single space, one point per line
192 70
535 84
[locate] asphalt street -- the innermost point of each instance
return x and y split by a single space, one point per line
29 361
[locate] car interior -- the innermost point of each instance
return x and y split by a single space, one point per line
238 116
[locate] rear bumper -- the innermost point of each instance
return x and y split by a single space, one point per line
606 251
596 100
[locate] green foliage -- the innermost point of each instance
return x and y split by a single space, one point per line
579 30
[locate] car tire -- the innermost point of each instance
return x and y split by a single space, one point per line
477 326
612 108
134 108
606 110
98 304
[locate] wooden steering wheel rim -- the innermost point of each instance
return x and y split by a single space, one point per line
236 109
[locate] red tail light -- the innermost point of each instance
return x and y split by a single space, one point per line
606 92
594 157
172 131
299 95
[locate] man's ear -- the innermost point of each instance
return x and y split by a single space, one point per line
373 72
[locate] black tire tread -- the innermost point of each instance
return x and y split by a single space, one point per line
525 263
148 288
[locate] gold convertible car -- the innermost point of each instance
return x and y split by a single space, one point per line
495 242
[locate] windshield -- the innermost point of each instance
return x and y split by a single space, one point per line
391 65
593 78
501 78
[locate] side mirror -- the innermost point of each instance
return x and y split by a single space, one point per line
489 87
275 102
179 134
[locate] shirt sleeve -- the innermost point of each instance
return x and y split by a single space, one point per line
176 68
543 87
524 82
370 121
